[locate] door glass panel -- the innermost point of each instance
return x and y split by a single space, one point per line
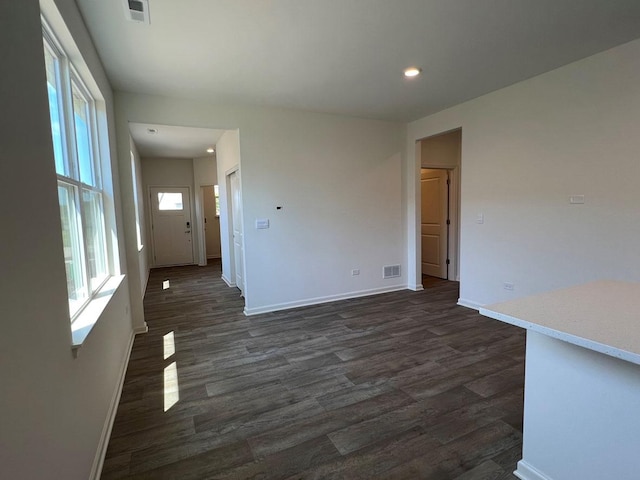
170 201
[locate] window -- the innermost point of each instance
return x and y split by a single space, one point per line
170 201
216 194
80 191
136 201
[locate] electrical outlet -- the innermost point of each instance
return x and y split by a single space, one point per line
509 286
355 272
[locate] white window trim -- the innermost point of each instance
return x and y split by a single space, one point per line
83 321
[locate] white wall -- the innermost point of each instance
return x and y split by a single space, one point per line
338 180
525 150
53 407
168 172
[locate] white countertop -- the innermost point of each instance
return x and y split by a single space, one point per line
603 316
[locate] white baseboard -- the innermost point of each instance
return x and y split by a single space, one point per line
143 329
227 281
101 452
317 300
527 472
416 287
469 304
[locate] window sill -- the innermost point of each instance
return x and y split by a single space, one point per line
84 323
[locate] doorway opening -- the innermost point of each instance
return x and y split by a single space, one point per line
210 195
439 220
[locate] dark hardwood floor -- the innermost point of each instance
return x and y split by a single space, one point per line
404 385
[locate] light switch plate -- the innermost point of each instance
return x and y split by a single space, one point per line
576 199
262 223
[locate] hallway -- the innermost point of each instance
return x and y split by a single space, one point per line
399 385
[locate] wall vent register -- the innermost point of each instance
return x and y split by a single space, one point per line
137 11
391 271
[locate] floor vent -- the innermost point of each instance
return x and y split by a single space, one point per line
391 271
137 10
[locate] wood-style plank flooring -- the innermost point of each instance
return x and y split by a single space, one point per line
404 385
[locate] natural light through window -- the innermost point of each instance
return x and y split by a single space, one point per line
171 389
136 200
170 201
169 345
171 393
216 193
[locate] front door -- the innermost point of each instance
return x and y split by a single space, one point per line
171 226
435 199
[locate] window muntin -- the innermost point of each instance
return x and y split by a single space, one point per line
81 199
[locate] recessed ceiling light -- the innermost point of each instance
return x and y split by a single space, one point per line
210 150
412 72
152 131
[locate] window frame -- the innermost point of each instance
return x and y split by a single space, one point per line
69 82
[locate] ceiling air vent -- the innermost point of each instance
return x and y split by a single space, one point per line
136 10
391 271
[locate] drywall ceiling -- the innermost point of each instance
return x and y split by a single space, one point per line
172 141
347 56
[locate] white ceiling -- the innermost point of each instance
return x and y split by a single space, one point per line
172 141
347 56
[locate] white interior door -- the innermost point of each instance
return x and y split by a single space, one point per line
171 225
435 196
236 219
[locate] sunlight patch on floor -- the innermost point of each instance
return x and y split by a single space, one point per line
171 389
169 345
